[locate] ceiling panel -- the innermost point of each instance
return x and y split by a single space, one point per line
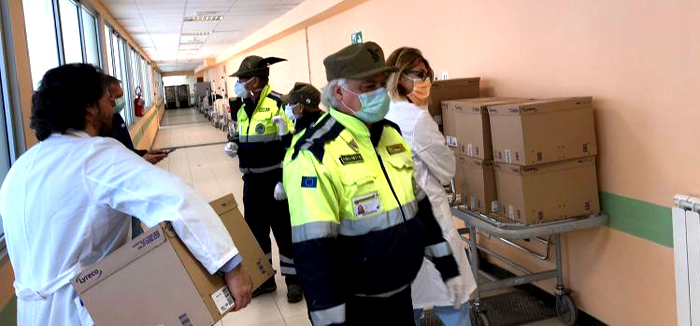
158 26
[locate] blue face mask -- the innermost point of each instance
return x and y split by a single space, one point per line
375 105
289 111
121 103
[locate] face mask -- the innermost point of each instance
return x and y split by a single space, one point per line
375 105
240 90
421 91
289 111
121 103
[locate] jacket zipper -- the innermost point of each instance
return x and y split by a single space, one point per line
381 164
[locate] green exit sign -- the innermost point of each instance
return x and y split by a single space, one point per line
356 37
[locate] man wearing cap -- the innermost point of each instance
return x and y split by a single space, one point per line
360 227
260 145
301 106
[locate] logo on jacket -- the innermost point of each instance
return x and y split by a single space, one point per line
309 182
395 149
260 128
353 144
352 158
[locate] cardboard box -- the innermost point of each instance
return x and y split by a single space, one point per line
473 127
547 192
155 280
451 89
476 183
543 131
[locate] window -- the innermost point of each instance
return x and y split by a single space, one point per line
108 40
70 31
92 46
8 148
43 50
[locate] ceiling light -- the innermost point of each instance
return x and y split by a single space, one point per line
193 41
204 18
195 34
205 13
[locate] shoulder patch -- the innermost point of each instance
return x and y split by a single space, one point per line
395 149
309 182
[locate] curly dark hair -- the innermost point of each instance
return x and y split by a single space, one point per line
63 97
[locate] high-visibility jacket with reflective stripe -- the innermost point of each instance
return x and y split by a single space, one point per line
260 148
358 227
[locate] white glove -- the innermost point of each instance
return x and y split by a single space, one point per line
231 149
281 125
455 290
232 128
279 192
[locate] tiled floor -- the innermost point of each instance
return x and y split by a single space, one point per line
213 174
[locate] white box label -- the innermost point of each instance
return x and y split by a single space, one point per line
223 300
473 202
511 212
470 150
451 141
509 159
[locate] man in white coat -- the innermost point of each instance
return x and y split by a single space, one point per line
66 202
434 167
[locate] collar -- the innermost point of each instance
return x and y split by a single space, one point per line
354 125
77 133
307 120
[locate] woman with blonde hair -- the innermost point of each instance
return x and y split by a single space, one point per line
409 89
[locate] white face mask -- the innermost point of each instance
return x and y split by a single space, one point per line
289 111
240 89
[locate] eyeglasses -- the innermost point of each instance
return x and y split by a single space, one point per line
420 74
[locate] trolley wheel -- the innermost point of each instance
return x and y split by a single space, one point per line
566 310
477 316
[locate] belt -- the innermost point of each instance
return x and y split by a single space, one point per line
50 288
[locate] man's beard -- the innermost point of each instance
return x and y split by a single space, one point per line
105 129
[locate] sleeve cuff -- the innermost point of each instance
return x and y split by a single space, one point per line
231 264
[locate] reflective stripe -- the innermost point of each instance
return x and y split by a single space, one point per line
314 230
319 132
258 138
438 250
261 170
286 260
334 315
288 270
381 221
383 295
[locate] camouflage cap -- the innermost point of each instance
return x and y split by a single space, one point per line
256 66
303 93
357 61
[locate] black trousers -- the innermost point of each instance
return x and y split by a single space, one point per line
263 212
394 310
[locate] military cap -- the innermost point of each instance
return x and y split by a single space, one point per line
357 61
303 93
256 66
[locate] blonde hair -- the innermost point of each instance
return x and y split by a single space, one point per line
404 58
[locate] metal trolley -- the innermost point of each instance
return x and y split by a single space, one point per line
507 232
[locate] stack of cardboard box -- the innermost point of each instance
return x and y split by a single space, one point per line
543 154
443 90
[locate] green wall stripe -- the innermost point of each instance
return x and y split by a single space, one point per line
8 315
151 114
641 219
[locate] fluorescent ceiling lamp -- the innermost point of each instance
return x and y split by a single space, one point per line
195 34
204 18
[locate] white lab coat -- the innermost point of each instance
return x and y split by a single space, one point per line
65 205
434 166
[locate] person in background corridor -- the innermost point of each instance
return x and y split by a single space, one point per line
65 202
259 142
359 226
121 133
119 130
434 163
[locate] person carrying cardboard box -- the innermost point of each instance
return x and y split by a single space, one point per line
66 202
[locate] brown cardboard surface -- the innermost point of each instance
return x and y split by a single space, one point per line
157 281
473 128
547 192
443 90
543 131
255 261
476 183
